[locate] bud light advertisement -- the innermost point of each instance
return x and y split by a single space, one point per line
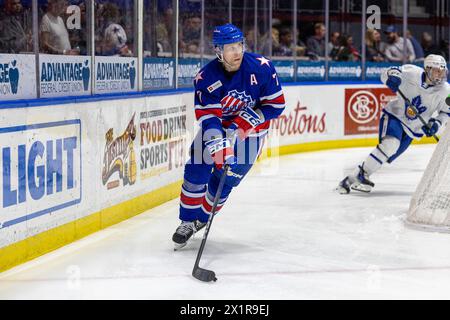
40 170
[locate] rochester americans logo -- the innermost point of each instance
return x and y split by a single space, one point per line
120 157
235 101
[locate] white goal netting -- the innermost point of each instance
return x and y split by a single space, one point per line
430 204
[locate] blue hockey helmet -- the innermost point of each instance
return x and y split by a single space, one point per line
227 33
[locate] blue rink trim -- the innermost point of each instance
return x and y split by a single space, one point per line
39 102
28 103
326 83
39 213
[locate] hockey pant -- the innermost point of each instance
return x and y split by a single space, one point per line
393 141
201 176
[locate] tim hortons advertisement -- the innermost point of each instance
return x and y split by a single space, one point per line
363 109
300 120
162 133
119 159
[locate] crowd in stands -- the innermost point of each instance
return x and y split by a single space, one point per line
114 34
15 28
341 47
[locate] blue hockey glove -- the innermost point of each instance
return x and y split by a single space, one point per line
432 127
394 79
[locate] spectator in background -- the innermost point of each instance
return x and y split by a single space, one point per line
394 49
250 39
265 49
149 35
78 37
333 45
418 51
192 34
374 51
13 37
114 36
54 35
115 41
347 52
316 43
164 31
286 46
444 48
301 46
429 47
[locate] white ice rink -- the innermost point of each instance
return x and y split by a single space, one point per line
280 236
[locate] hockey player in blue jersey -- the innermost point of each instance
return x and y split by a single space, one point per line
236 96
427 90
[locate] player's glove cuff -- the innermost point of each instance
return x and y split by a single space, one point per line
394 79
431 128
221 151
247 120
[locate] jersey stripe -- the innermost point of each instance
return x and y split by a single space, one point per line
272 96
216 112
208 106
278 100
206 117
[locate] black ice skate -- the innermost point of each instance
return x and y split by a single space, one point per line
362 182
344 186
185 231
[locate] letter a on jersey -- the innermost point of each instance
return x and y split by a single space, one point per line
253 79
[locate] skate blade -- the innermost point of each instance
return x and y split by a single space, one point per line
362 188
342 190
178 246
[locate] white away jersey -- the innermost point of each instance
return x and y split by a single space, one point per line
429 100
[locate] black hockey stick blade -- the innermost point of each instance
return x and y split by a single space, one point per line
204 275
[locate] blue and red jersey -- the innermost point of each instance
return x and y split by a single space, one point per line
220 96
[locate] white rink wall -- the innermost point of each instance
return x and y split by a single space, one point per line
63 163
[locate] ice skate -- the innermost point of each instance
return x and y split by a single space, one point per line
344 186
362 182
185 231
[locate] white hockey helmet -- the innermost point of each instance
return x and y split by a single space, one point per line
436 69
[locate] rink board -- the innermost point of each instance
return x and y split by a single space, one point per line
72 169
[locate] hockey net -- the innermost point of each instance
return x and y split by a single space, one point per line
430 204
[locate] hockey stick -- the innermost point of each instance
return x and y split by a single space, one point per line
414 109
200 273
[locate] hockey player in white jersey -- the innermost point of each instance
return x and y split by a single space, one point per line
426 89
